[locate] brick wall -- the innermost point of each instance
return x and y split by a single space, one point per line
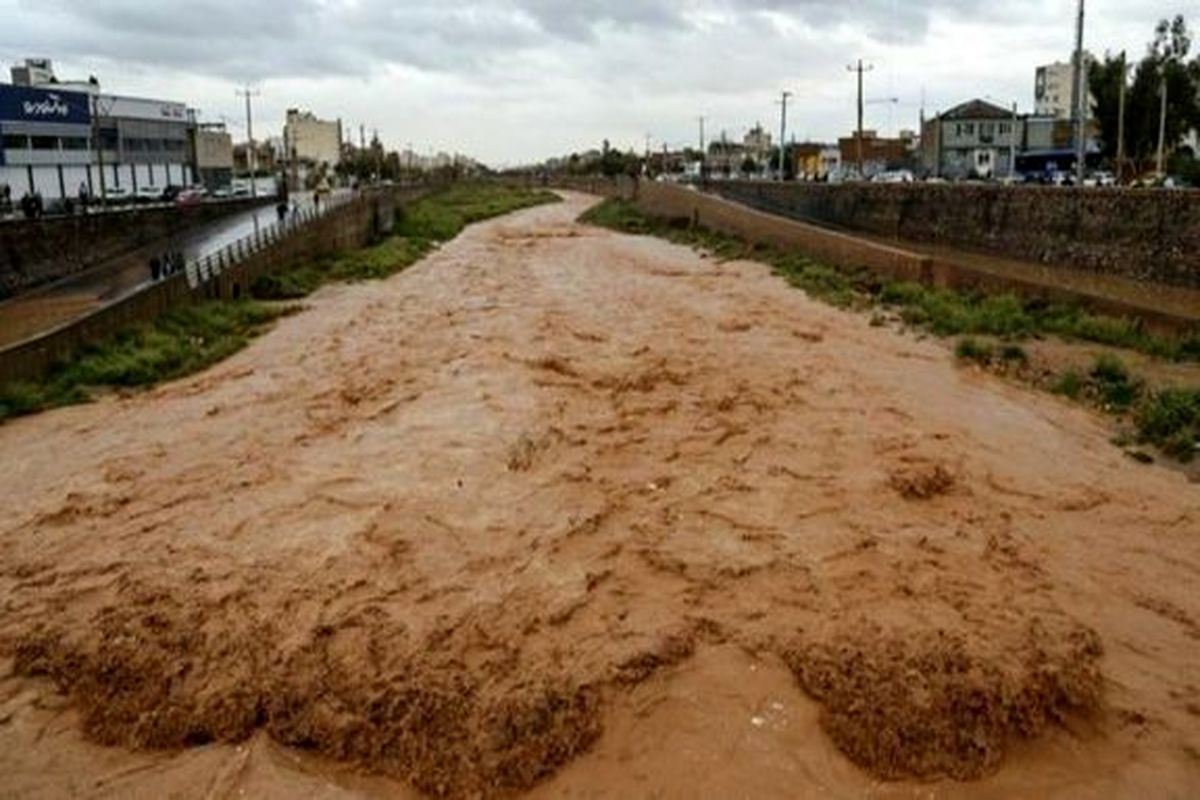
1140 234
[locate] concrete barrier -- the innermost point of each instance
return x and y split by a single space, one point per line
830 247
1161 309
1136 234
354 224
38 252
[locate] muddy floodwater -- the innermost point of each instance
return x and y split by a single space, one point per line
559 512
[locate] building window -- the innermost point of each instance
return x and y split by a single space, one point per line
45 142
74 143
1005 127
16 141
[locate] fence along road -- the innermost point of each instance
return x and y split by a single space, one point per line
29 315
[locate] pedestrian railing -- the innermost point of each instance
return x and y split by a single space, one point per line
210 266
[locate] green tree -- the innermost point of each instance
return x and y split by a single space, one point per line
1165 64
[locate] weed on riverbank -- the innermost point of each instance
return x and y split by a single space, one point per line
1169 418
191 338
419 227
180 342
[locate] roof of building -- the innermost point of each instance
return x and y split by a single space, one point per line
977 109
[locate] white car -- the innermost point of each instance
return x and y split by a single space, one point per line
116 195
148 194
893 176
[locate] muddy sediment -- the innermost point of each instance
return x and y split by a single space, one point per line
475 527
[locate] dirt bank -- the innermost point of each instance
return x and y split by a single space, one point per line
569 512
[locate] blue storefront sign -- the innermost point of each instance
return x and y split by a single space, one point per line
26 104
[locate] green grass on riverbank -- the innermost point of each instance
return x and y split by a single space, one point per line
1169 418
420 226
943 312
180 342
191 338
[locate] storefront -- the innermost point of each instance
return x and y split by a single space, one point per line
44 140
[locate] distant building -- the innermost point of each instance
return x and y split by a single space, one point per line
55 135
311 140
214 156
1052 89
878 153
814 161
757 143
972 139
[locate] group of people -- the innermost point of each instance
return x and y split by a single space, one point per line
166 264
32 206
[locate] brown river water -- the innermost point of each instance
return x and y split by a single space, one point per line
559 512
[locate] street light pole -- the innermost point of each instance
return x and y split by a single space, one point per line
1162 122
783 133
1081 101
99 145
251 154
860 69
1012 145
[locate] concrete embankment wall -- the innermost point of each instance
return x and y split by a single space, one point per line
40 251
354 224
1145 235
680 202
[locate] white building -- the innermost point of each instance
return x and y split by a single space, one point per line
1052 88
56 141
312 140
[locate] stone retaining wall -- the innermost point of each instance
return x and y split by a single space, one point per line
1147 235
40 251
354 224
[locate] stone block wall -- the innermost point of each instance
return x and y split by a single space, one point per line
1147 235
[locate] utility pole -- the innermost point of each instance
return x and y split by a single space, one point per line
99 145
378 153
1012 146
1162 121
860 69
1079 95
701 137
783 133
1121 123
251 153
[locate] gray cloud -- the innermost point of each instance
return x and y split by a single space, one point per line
235 39
516 78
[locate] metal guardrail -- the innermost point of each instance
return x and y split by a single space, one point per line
209 267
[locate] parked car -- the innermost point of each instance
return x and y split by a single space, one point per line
893 176
188 197
148 194
222 193
118 195
1100 178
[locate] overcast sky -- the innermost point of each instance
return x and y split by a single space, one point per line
516 81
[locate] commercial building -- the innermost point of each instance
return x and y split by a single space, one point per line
312 141
57 139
